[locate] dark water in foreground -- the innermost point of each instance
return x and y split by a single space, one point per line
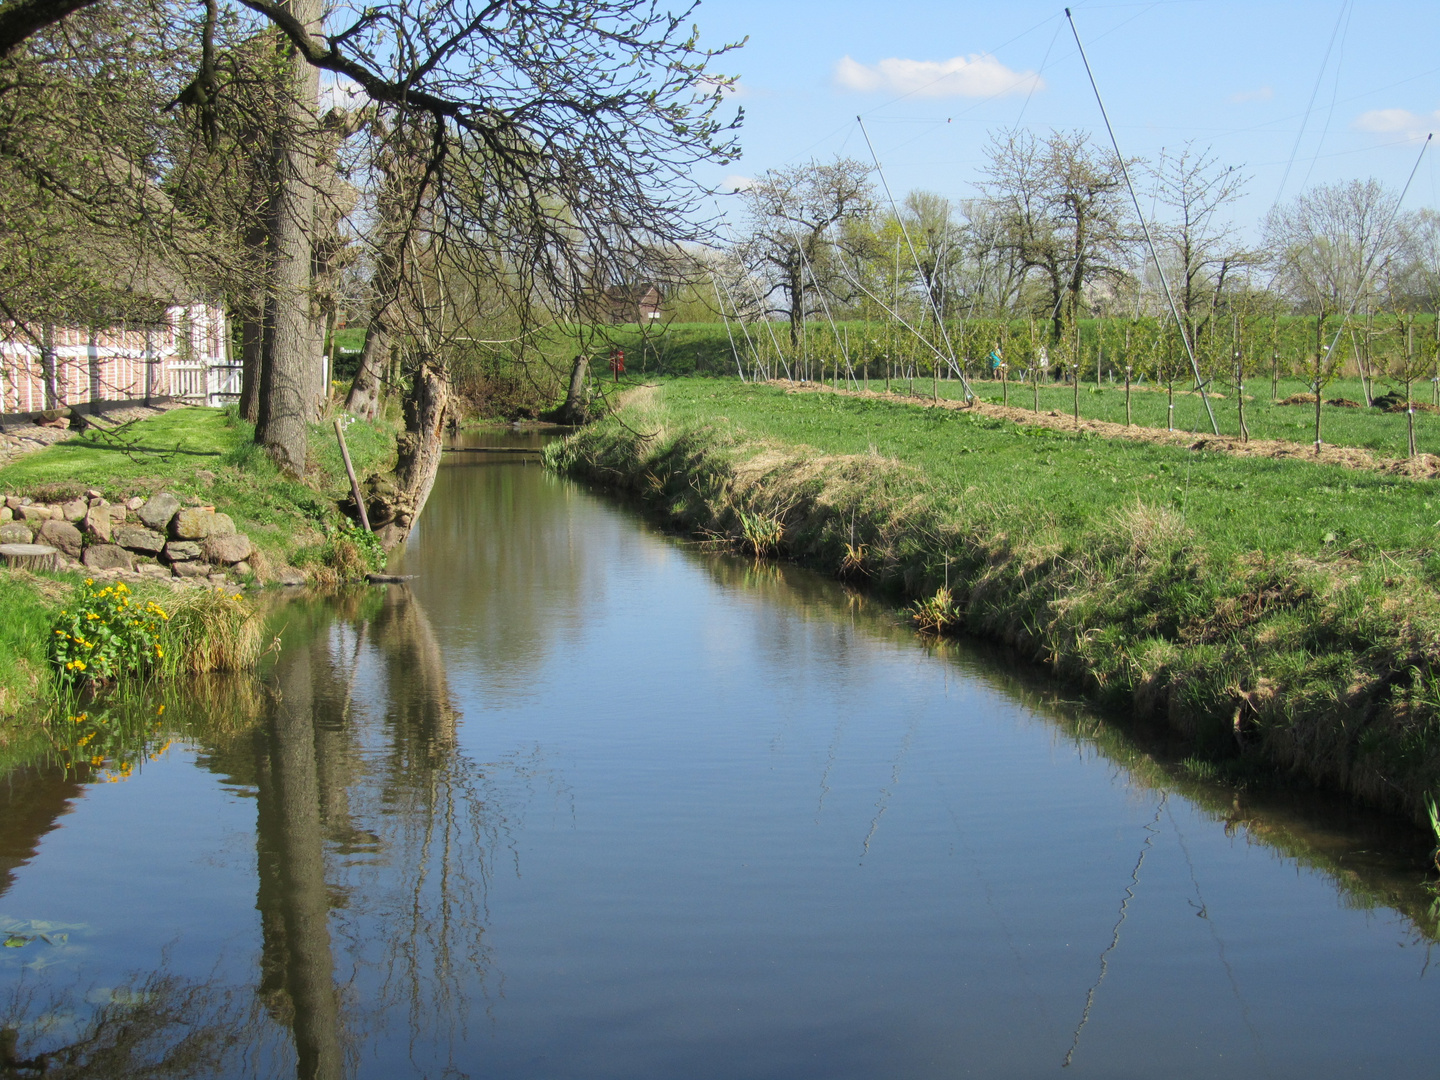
585 801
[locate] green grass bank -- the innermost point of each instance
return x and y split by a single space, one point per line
1277 609
205 454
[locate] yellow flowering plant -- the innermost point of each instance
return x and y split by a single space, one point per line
106 633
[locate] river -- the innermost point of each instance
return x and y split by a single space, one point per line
586 800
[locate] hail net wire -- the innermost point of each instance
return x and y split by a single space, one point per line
759 299
1145 228
929 292
820 292
740 318
1334 92
739 367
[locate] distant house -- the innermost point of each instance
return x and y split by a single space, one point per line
633 303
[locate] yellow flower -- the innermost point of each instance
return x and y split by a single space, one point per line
89 581
79 665
160 711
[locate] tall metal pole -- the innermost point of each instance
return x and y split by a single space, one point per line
734 351
1149 242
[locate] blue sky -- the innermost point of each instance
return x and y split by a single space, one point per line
1294 94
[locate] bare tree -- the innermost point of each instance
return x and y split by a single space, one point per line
1064 217
1329 245
793 217
1203 244
991 275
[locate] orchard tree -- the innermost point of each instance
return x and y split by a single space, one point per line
795 215
1061 204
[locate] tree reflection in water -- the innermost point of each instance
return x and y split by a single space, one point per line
155 1025
373 826
376 840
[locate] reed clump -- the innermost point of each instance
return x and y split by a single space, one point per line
212 630
1323 664
347 555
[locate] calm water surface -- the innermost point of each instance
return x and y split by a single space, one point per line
587 801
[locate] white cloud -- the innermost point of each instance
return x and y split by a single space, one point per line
978 75
737 183
1413 126
341 92
1264 93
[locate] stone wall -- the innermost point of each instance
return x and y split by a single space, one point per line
158 537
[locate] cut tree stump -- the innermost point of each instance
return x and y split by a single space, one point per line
29 556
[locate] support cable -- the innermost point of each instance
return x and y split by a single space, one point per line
929 293
1149 241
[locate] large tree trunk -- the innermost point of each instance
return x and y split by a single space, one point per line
294 900
364 397
290 369
252 340
395 506
575 410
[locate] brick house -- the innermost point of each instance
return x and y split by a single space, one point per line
633 303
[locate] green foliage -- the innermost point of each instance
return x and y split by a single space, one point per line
105 634
762 533
368 543
347 554
936 614
29 615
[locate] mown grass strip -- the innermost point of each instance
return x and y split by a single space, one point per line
1275 608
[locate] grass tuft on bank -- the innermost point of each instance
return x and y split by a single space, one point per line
1279 610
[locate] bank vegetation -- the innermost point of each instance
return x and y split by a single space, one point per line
1276 610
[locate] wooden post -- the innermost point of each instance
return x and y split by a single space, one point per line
350 472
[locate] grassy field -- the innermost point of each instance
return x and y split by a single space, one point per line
1277 608
1242 504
